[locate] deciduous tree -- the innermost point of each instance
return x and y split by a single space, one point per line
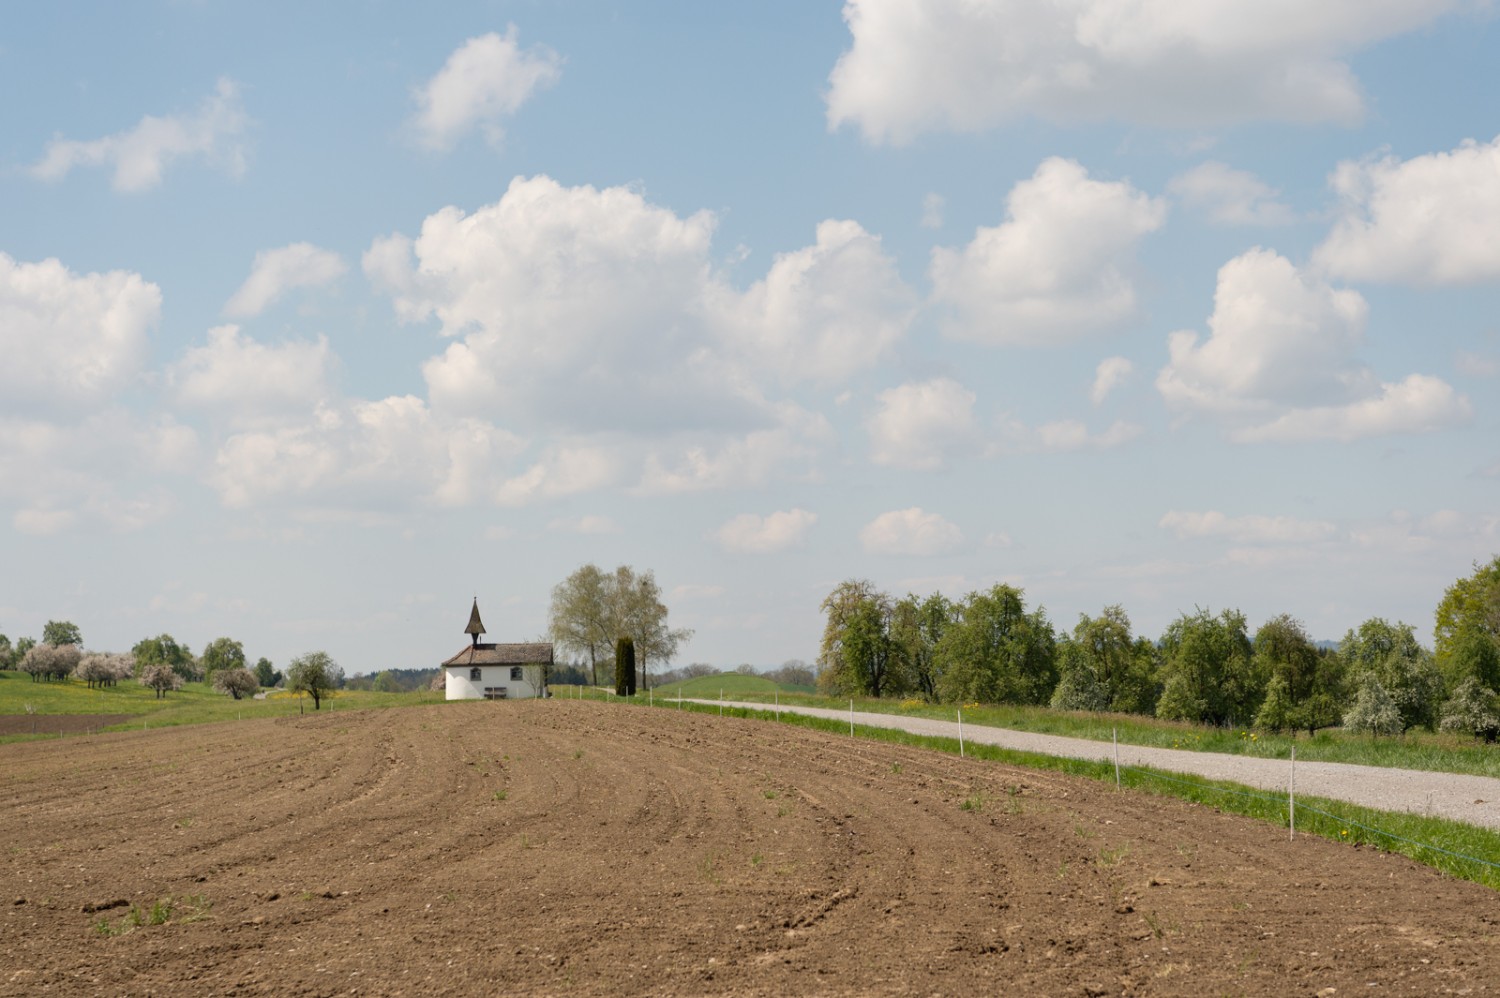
579 619
855 654
161 678
237 682
222 653
1475 709
917 629
266 674
315 674
50 662
1467 627
61 632
1372 710
1206 669
996 652
164 650
1405 670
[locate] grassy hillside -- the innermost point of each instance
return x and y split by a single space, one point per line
707 687
195 703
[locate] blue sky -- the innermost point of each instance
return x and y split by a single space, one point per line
319 320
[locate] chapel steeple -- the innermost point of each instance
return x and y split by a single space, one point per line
476 626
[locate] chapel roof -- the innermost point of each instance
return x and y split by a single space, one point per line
525 653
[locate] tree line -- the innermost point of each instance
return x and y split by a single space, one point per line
163 665
1205 667
592 611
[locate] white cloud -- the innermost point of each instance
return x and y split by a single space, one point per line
567 469
921 425
791 447
1419 403
1230 197
1277 336
827 310
1430 220
587 524
750 533
1111 372
910 532
277 271
485 80
1280 363
967 66
1251 529
1056 268
70 339
1062 436
245 378
140 155
360 454
600 316
586 306
110 468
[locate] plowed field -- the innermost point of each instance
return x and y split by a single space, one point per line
581 848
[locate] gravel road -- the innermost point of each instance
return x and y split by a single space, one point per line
1471 799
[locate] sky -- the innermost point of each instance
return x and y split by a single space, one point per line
318 321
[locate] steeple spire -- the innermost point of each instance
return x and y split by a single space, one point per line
476 626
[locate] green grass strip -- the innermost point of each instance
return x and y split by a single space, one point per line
1419 750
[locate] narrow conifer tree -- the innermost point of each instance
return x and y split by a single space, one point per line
625 667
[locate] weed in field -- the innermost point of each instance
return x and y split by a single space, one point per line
578 753
973 803
771 795
896 768
191 908
756 860
783 811
1112 857
501 794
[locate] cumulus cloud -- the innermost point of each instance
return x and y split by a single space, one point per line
1251 529
485 80
71 339
360 454
792 448
1056 268
1230 197
1111 372
1280 363
140 155
277 271
824 311
910 532
921 425
1430 220
566 469
963 66
750 533
598 315
247 379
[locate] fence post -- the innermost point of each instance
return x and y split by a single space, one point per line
1114 735
1291 798
851 717
778 705
960 732
721 701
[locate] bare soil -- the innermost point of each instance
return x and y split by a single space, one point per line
57 724
581 848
